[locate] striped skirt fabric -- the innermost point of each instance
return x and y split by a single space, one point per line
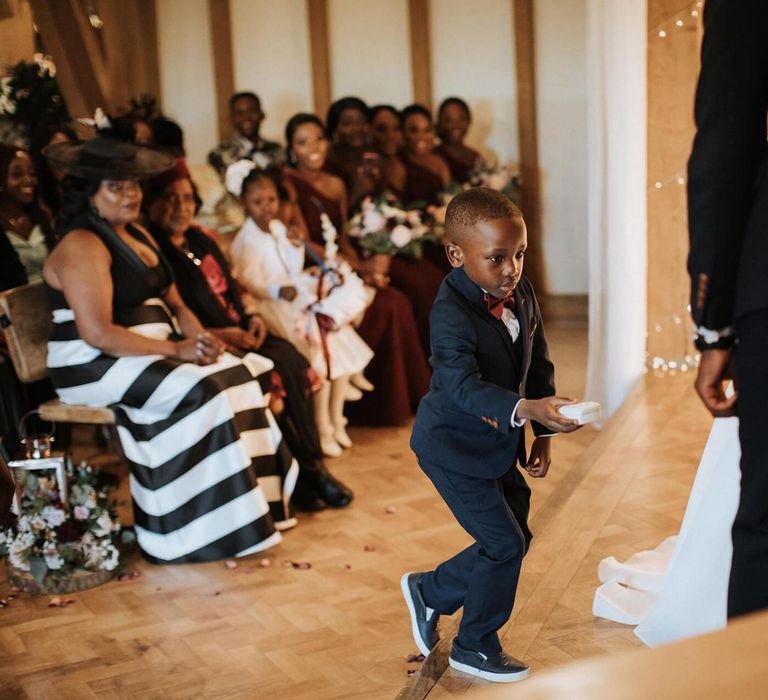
210 475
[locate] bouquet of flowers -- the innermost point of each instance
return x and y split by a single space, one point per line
383 227
51 539
499 177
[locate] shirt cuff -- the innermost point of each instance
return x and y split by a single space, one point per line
274 290
516 422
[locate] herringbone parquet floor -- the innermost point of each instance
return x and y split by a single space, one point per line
339 629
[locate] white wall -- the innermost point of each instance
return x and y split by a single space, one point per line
270 48
370 51
473 58
186 72
561 61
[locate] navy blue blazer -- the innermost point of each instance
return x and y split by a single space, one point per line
463 423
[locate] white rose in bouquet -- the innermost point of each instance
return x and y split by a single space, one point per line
374 220
497 181
401 235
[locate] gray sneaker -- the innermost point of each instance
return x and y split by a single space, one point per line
499 669
423 619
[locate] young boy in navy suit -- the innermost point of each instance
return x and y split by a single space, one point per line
491 374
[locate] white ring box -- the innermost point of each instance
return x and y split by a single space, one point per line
583 412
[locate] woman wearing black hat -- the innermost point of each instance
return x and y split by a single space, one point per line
204 450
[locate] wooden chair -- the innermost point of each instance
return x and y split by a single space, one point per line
25 317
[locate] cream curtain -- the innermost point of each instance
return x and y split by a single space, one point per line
616 167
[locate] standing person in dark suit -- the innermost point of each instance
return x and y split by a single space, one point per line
728 220
491 373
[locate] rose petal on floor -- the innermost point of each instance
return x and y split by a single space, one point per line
415 658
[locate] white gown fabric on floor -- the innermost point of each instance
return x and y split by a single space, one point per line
680 589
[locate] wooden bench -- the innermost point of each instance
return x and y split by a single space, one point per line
25 316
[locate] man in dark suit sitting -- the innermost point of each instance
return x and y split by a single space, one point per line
491 373
728 263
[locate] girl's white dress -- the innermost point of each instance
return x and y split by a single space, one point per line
264 262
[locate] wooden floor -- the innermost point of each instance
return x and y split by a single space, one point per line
339 629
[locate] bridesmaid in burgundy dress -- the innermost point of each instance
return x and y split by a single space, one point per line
398 370
453 120
365 173
427 174
387 139
351 157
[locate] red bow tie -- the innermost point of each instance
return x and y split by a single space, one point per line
496 305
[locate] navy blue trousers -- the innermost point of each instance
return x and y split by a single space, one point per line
482 578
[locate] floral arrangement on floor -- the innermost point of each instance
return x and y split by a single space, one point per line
51 539
384 227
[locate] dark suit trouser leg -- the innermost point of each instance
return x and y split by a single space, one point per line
482 578
748 590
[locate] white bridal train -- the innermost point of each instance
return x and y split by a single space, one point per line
680 589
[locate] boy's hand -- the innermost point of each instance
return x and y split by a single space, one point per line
545 411
540 457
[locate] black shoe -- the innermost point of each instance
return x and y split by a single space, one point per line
423 619
306 498
332 491
499 669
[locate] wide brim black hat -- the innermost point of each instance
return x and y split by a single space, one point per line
107 159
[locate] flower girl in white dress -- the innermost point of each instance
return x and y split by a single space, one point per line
312 308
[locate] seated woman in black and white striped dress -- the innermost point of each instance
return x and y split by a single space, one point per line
210 474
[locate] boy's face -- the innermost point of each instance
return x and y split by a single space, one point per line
491 253
247 117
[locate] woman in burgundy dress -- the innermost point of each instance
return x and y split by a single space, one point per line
365 173
398 370
386 135
453 120
351 156
427 174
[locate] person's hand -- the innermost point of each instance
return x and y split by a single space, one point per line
289 292
540 457
202 350
715 368
293 234
374 270
257 327
236 340
545 411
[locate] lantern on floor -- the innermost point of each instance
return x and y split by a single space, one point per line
39 457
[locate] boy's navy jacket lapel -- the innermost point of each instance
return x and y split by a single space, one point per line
474 295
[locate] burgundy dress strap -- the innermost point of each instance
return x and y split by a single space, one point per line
306 193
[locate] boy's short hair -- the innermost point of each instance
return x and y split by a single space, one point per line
245 95
476 205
